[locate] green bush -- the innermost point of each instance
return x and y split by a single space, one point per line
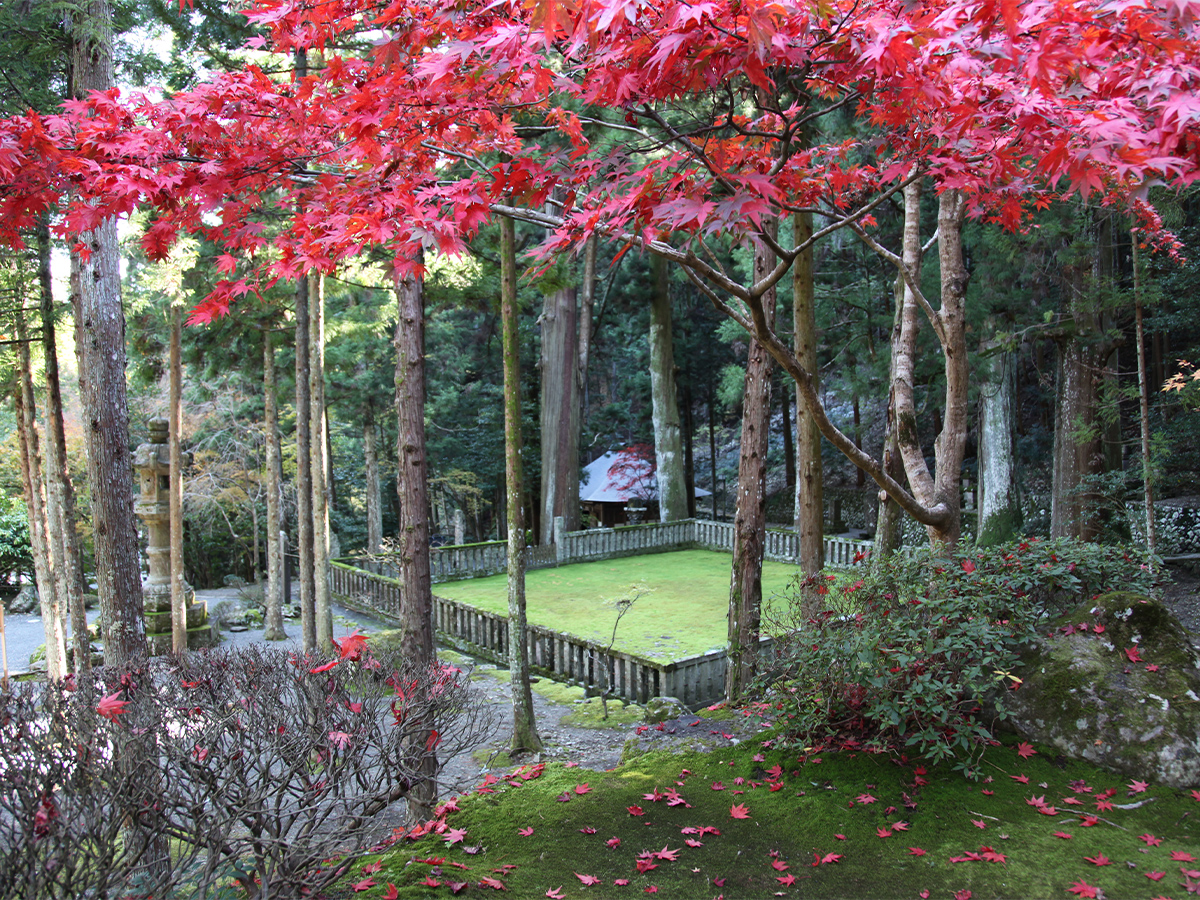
16 556
915 657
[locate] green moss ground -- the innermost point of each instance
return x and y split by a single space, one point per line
682 611
821 799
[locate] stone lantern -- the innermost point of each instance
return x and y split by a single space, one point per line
152 461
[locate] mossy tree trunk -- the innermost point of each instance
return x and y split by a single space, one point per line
524 737
999 506
319 460
668 441
273 629
810 490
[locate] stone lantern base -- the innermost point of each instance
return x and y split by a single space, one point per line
157 600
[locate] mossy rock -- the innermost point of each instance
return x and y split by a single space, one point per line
1116 682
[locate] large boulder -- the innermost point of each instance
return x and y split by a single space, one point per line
1117 683
26 601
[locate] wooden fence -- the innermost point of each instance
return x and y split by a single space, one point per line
696 681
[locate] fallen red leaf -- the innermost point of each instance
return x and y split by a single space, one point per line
582 788
1024 779
392 893
718 786
916 851
1133 654
779 865
1099 860
883 832
365 885
1151 840
372 868
1025 750
613 842
635 810
865 799
492 883
786 880
651 890
555 893
1088 821
1063 835
1138 787
830 858
455 836
525 832
587 879
430 881
1182 856
739 811
979 823
457 887
668 855
1083 889
1156 876
587 829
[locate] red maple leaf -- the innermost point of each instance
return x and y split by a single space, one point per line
492 883
1156 876
979 823
392 893
1151 840
352 647
1025 750
526 831
968 566
1088 821
865 799
555 893
1138 787
430 881
916 851
718 786
1133 654
1048 810
365 885
884 832
1036 801
587 829
111 706
1099 860
1063 835
830 858
779 865
645 864
457 887
739 811
1024 779
1083 889
587 879
582 788
668 855
1182 856
786 880
324 668
613 842
455 836
635 810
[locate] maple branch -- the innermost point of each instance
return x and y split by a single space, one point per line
910 280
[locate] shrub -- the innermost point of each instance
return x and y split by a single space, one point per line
916 655
260 767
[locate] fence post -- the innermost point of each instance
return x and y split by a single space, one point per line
560 540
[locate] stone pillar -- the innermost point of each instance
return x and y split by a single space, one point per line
152 462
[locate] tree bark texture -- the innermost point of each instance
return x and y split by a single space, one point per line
59 489
889 521
525 736
560 412
810 485
750 521
668 439
304 478
999 506
371 458
273 629
100 346
1143 400
41 541
319 457
175 510
416 589
587 303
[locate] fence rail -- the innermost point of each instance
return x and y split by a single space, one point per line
696 681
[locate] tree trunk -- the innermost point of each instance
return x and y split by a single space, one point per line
41 541
304 469
1143 400
175 512
371 458
941 489
750 523
319 449
999 506
587 302
416 590
273 629
60 490
560 413
1078 431
668 442
889 521
524 737
810 483
100 344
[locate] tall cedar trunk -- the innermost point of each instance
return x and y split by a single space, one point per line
524 736
40 539
175 511
560 413
689 457
750 520
1078 432
587 302
668 441
60 490
889 521
304 479
941 489
416 589
273 629
810 484
371 458
999 506
100 346
319 449
1143 400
